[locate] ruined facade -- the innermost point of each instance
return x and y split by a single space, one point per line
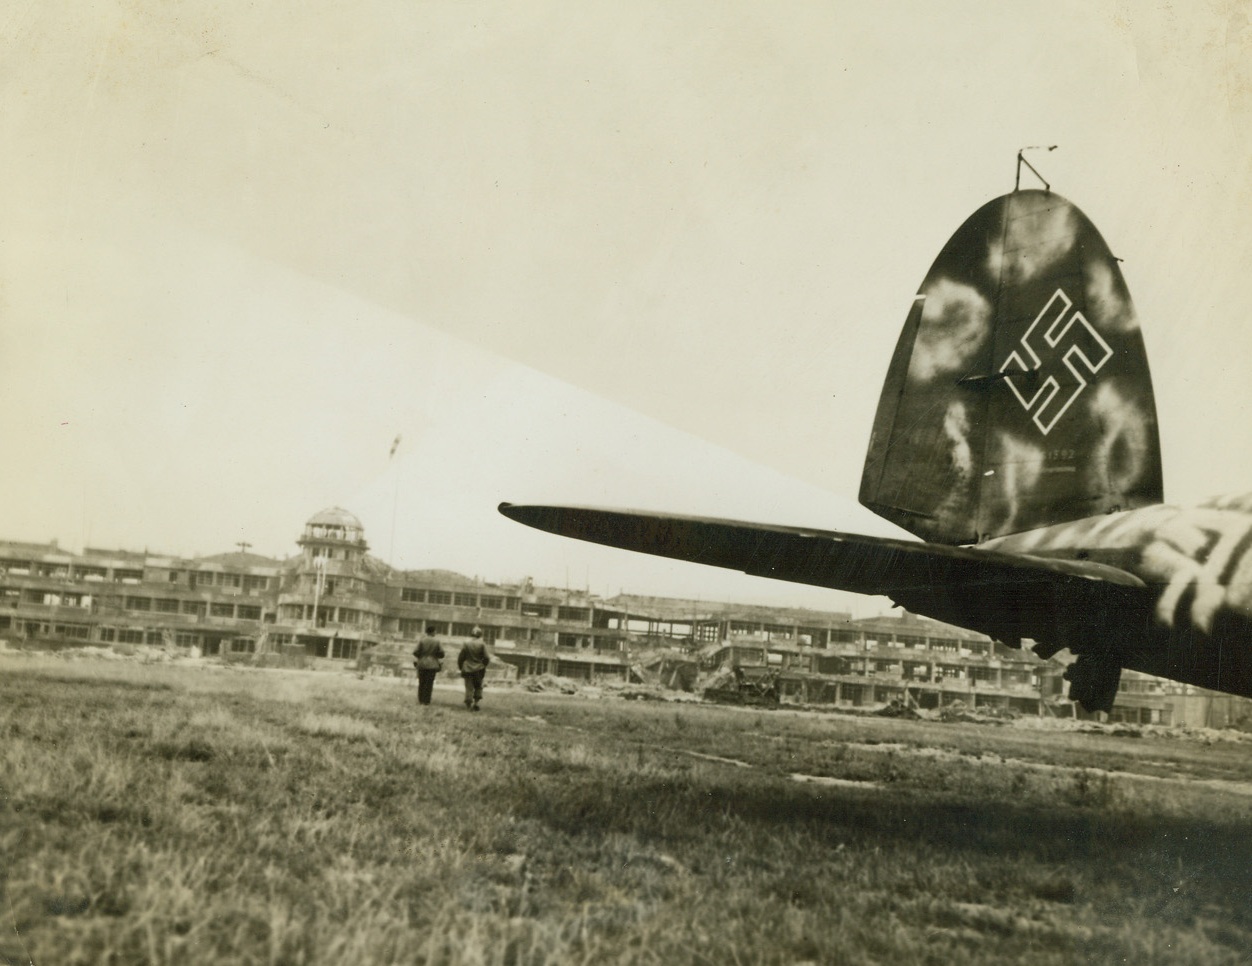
332 604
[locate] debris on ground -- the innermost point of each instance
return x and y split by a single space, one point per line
737 686
539 683
897 709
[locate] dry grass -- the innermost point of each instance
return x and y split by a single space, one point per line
152 814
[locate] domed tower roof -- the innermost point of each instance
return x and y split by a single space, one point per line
334 525
335 517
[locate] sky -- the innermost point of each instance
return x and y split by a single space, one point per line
652 255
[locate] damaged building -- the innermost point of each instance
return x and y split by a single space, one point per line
827 657
334 605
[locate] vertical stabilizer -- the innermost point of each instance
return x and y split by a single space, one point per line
1019 393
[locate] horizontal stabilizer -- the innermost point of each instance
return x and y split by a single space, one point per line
910 572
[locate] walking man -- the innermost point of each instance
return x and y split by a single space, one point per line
428 659
472 662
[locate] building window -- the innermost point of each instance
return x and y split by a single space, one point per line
438 597
138 603
221 610
166 605
243 645
255 583
536 610
466 600
573 613
127 576
462 630
412 595
130 637
108 635
187 640
173 576
249 612
195 607
491 603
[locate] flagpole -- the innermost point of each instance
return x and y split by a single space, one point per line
395 500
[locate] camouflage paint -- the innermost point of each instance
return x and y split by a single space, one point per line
1192 621
1019 393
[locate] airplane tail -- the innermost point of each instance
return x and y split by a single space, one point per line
1019 395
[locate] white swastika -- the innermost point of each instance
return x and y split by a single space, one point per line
1068 338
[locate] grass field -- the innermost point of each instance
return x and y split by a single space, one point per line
157 814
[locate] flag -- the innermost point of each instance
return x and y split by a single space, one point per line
395 444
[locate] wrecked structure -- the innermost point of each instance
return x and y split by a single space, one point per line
334 605
829 658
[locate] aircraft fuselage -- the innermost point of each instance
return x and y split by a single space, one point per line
1190 621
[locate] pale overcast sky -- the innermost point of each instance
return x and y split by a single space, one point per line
649 254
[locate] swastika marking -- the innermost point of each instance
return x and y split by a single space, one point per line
1074 351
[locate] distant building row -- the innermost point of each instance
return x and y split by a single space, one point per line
335 603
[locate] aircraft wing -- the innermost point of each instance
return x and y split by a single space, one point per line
1007 595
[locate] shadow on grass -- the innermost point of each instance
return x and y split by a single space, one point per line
1174 862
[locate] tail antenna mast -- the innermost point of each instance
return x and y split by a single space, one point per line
1021 160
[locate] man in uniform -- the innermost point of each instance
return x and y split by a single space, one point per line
428 659
472 662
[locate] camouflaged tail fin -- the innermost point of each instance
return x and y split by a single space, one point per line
1019 395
